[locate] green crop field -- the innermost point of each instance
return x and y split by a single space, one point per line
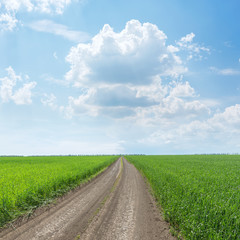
28 182
199 194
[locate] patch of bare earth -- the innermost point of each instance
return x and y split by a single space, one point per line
115 205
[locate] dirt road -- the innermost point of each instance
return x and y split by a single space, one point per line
115 205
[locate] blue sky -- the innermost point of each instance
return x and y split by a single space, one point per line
92 77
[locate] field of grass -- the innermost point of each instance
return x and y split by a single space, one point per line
199 194
29 182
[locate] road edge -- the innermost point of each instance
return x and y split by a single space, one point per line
156 204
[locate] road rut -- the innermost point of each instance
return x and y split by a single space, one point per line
115 205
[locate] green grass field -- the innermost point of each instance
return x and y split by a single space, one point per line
199 194
29 182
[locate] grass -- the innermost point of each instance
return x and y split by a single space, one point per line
199 194
29 182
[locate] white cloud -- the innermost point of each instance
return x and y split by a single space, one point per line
49 6
50 101
9 90
120 74
155 91
151 104
171 109
10 8
225 71
219 133
134 56
46 6
16 5
181 89
6 88
78 106
180 108
177 101
230 117
49 26
172 48
24 94
187 39
7 22
221 124
194 50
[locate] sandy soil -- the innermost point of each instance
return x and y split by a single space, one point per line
115 205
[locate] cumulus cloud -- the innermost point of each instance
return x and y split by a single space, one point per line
121 74
133 56
9 8
181 89
151 104
218 133
225 123
230 117
9 89
49 26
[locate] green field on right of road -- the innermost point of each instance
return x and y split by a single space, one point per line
199 194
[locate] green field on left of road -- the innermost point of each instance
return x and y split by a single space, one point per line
29 182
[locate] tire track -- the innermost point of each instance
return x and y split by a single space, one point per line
129 213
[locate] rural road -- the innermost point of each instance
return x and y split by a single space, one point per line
115 205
